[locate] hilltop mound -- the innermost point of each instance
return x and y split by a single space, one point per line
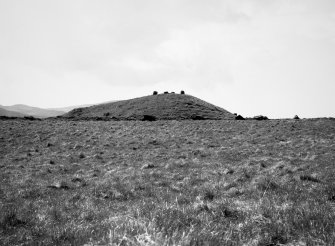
155 107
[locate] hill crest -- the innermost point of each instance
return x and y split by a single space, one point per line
154 107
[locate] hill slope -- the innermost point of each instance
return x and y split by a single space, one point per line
8 113
161 107
33 111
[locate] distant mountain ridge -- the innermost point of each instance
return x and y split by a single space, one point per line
33 111
154 107
8 113
69 108
21 110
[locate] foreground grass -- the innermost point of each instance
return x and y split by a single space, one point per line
167 183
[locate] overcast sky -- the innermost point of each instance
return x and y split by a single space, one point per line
270 57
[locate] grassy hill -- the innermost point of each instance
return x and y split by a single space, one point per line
167 182
160 107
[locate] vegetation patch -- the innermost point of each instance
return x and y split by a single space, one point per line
230 182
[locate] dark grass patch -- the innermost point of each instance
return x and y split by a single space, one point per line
306 177
10 220
330 192
223 213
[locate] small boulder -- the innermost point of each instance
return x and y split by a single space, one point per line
59 185
182 92
296 117
166 92
155 93
148 166
82 155
228 171
261 117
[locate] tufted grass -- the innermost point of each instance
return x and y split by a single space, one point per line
167 183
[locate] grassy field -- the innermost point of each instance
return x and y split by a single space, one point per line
167 182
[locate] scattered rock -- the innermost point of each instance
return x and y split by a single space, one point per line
148 166
228 171
81 155
52 162
59 185
260 117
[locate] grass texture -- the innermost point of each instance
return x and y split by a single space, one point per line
167 182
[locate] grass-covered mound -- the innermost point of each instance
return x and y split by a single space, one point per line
155 107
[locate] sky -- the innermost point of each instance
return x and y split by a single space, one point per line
251 57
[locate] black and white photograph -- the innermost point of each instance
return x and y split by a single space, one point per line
167 122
